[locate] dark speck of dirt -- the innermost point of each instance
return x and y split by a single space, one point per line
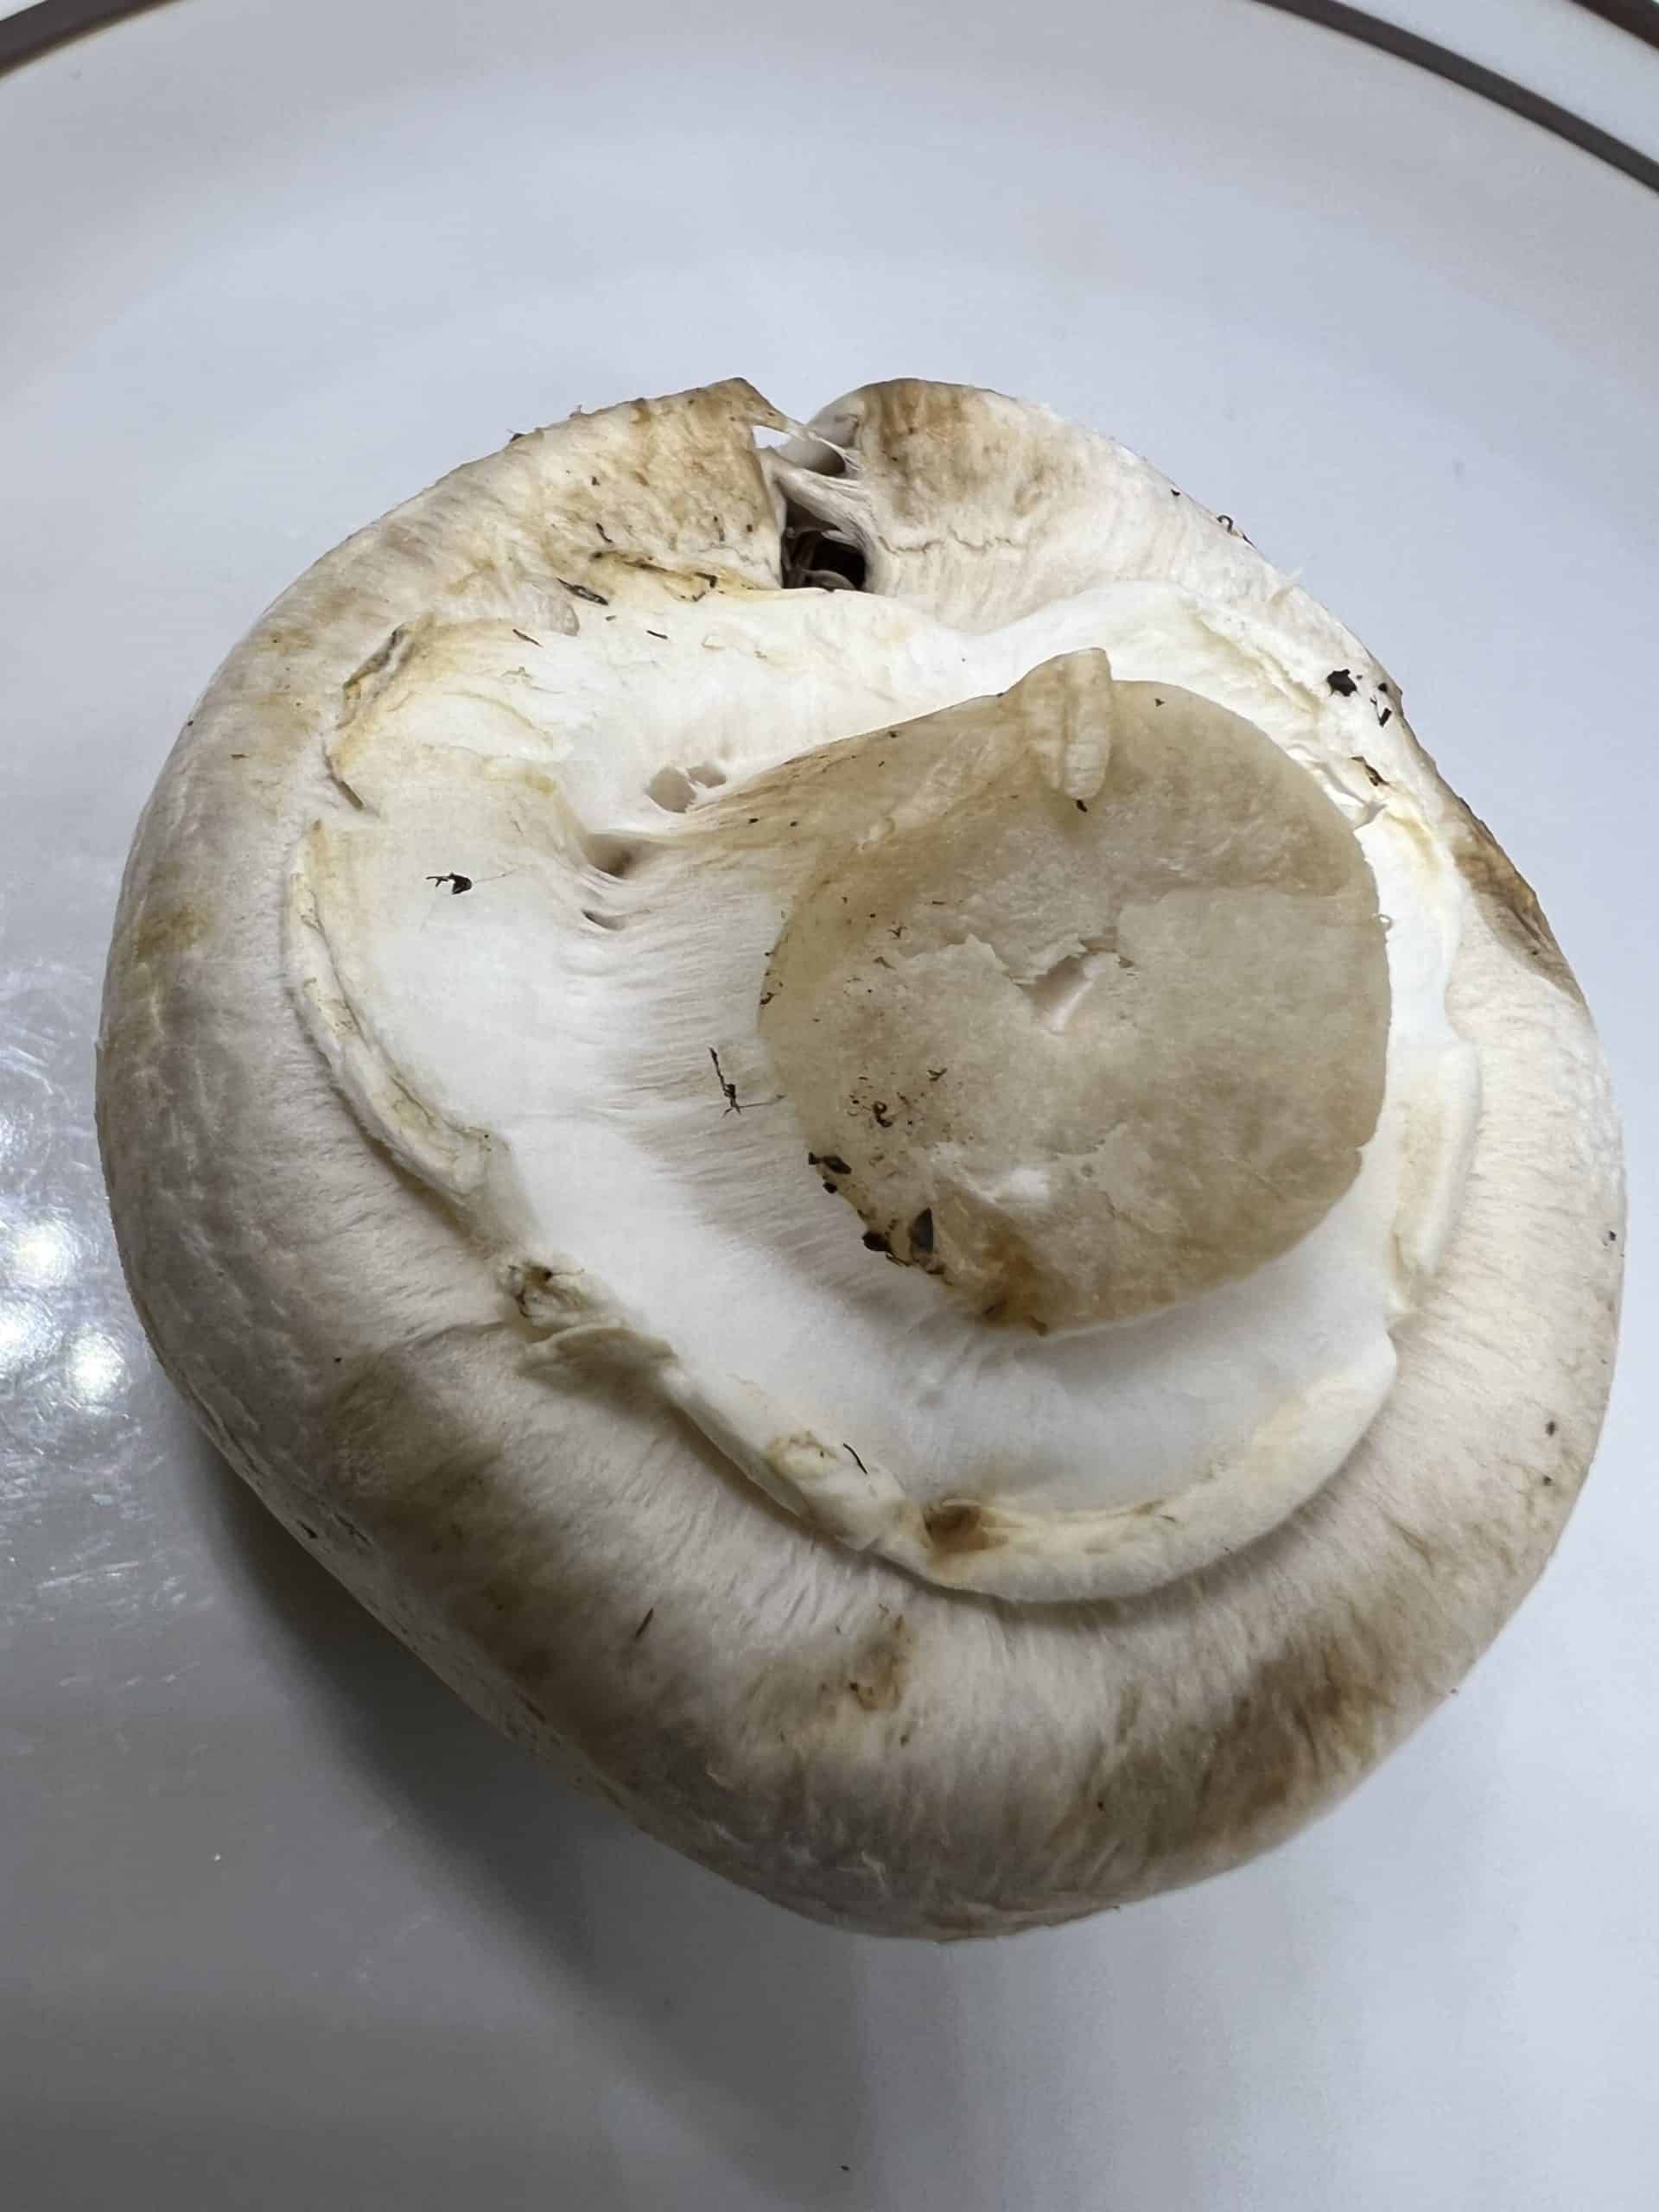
729 1090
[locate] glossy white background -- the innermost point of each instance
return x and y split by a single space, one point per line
285 1927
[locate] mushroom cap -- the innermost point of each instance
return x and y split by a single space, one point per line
867 1736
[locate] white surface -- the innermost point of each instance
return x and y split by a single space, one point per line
286 1927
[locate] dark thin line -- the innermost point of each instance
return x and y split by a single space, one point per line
1502 92
51 23
1639 17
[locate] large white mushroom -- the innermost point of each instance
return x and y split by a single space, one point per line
843 1113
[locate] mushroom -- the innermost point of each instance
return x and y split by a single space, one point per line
842 1112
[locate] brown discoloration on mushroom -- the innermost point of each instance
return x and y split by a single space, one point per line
280 637
1509 902
844 1677
375 1412
364 674
167 929
940 449
1307 1722
1305 1713
1307 1719
1002 1262
880 1667
959 1525
1505 897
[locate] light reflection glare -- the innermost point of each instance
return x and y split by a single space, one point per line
42 1255
97 1366
26 1332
